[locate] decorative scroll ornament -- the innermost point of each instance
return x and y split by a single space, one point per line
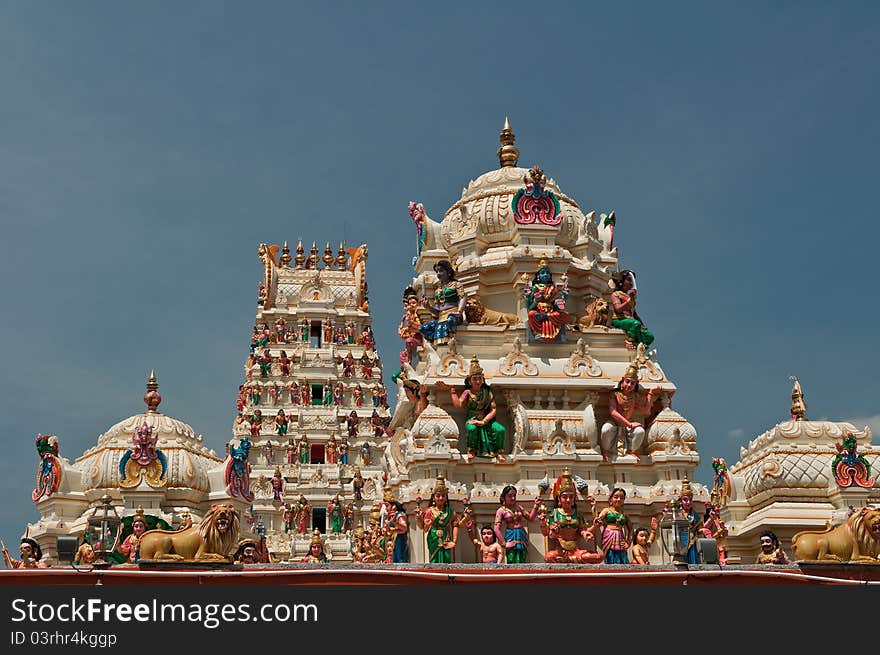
517 362
581 362
535 204
49 473
237 472
143 462
850 468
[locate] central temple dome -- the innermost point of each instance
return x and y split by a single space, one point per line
485 213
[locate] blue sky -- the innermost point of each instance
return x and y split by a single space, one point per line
145 152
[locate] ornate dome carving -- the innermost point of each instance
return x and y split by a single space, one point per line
434 420
670 430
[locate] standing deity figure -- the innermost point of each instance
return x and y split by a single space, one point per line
284 363
714 528
303 512
630 408
382 395
564 526
393 521
281 423
331 452
304 454
348 365
491 551
304 328
328 332
328 393
357 484
377 424
277 485
367 339
265 362
274 393
643 540
616 529
408 330
292 451
256 421
366 454
343 450
447 307
287 517
269 451
280 327
336 514
545 303
440 524
305 393
294 392
353 421
417 214
688 538
510 526
358 395
31 556
129 546
348 524
366 367
626 318
238 470
485 435
350 331
339 394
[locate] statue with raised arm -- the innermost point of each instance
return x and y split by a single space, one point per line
447 307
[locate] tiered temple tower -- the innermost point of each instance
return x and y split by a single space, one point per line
528 267
313 404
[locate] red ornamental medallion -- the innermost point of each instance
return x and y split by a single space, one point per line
530 209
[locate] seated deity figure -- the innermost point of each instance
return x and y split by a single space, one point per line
485 435
626 318
630 408
564 525
545 303
447 307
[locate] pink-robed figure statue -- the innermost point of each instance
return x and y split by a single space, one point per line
545 303
630 408
408 330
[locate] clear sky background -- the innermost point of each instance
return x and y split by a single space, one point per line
145 152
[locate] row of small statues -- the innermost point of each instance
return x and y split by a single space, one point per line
252 394
435 318
339 334
283 364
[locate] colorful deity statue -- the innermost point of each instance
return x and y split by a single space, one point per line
85 554
850 468
447 308
377 424
545 304
304 450
265 362
358 394
366 454
343 450
348 364
367 339
281 423
331 451
274 393
238 469
350 332
771 550
357 484
623 303
485 435
49 472
246 552
353 422
382 395
294 392
630 408
393 521
327 399
304 329
339 394
303 514
284 362
277 485
490 550
440 523
316 550
564 526
417 214
510 525
643 539
327 329
256 423
714 528
408 329
366 367
129 546
31 556
287 517
720 480
616 529
292 451
144 461
687 546
305 393
348 524
336 514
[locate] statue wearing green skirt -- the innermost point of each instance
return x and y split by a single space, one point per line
626 318
440 524
485 436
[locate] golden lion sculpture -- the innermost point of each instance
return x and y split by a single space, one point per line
596 309
214 539
476 313
856 540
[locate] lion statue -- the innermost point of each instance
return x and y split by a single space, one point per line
596 309
214 539
477 314
856 540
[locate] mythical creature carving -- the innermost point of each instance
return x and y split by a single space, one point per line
476 313
596 313
856 540
215 538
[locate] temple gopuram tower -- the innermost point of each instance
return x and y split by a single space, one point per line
547 317
313 407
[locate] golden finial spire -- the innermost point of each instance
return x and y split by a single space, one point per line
798 405
508 154
285 255
341 258
313 257
300 255
328 256
152 397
